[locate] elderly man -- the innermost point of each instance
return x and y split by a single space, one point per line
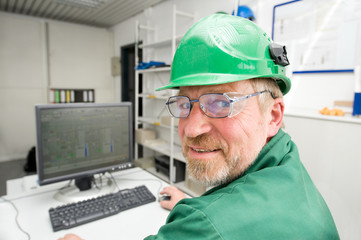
231 79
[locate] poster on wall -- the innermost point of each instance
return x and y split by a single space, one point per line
321 35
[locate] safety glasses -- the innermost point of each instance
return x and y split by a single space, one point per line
214 105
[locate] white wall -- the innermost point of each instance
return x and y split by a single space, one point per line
79 57
22 82
329 149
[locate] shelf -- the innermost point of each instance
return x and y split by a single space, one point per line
161 175
152 96
152 121
154 70
155 122
314 114
157 145
146 96
163 147
162 43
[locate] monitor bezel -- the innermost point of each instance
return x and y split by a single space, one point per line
87 173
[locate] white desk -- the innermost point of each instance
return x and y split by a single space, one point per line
33 206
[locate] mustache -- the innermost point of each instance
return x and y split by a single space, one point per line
205 141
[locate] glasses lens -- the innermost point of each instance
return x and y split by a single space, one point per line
179 106
215 105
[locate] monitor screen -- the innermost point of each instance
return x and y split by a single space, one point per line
76 141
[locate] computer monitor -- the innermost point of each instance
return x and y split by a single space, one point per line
79 141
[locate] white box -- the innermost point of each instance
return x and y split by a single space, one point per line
166 120
143 134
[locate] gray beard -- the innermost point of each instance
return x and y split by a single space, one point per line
234 165
234 168
198 172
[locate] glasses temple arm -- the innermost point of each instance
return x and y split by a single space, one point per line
252 95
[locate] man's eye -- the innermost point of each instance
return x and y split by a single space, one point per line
224 104
220 104
184 105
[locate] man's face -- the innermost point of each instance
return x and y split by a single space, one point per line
219 150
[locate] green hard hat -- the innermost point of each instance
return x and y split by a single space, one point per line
221 49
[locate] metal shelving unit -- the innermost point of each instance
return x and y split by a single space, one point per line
154 111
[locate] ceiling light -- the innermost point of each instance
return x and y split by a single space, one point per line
83 3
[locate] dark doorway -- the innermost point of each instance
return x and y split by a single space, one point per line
127 54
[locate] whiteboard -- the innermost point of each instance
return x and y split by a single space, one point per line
320 35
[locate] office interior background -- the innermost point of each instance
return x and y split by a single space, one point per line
323 39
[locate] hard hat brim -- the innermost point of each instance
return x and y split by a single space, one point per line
205 79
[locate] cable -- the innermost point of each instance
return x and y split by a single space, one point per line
132 179
68 185
16 217
113 179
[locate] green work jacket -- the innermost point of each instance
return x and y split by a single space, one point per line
275 199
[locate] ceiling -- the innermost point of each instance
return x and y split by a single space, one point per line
99 13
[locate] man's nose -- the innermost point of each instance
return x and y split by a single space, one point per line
197 123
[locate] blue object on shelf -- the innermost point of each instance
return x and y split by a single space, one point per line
357 105
245 12
145 65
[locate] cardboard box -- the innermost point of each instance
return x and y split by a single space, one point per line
167 119
143 134
144 163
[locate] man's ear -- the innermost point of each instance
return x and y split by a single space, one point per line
275 119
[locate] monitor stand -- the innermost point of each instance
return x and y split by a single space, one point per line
84 188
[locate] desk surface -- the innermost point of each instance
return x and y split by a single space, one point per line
33 207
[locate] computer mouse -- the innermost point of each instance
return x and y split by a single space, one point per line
164 198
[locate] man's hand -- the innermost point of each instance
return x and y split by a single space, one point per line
175 196
70 236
